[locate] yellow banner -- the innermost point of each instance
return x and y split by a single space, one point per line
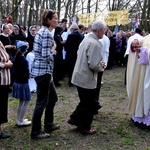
110 17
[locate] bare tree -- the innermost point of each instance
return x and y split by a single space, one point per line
58 8
88 6
14 13
74 7
145 22
29 11
30 20
67 4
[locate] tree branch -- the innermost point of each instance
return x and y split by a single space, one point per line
16 7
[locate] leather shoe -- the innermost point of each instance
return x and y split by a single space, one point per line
88 132
54 127
72 122
4 135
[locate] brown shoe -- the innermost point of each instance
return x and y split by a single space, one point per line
88 132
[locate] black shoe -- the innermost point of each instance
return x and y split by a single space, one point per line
97 106
57 84
4 135
42 135
70 84
54 127
72 122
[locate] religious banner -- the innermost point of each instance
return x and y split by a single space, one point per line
111 17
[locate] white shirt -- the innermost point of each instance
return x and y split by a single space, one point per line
52 32
105 49
64 37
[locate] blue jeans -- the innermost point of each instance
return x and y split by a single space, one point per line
46 99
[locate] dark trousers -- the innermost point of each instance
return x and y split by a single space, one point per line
46 99
98 87
3 103
83 114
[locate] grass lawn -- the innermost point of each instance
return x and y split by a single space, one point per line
115 130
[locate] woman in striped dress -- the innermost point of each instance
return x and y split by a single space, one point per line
5 65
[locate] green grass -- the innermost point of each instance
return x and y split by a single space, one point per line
115 130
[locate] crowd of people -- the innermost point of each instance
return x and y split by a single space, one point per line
37 60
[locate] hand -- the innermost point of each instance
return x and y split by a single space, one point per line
27 45
54 51
10 46
63 42
54 46
8 64
103 64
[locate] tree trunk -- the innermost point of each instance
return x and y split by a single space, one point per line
67 8
148 16
25 12
15 14
88 6
144 19
59 8
31 13
37 9
74 6
96 6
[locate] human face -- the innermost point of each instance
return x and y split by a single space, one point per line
118 35
64 24
54 21
33 31
16 30
101 32
81 30
10 26
6 30
37 28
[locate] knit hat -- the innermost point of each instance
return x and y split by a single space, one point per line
22 46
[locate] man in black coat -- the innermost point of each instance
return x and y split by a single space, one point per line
71 47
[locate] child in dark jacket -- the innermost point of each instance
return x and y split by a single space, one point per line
21 89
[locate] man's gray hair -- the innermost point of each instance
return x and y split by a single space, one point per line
98 25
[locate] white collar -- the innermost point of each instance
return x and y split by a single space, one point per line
6 35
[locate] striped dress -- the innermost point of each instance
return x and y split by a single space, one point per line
4 85
4 73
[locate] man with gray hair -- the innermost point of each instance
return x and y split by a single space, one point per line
71 46
89 63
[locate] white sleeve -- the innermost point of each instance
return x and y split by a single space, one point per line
105 50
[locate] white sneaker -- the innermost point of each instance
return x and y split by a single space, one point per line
25 119
19 121
24 123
